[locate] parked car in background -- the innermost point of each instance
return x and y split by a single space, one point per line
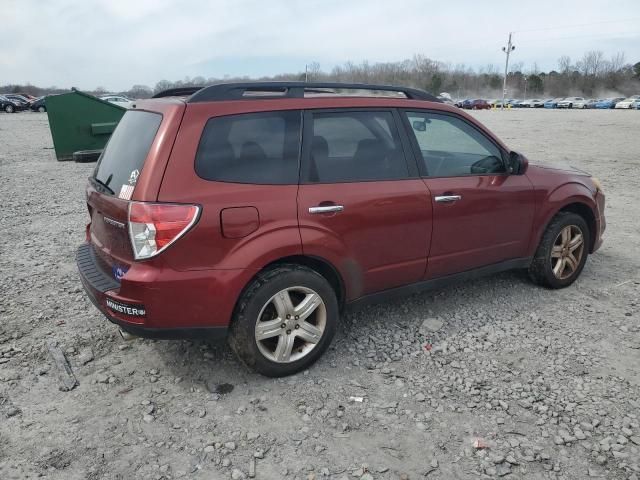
581 103
608 102
11 106
591 103
445 97
38 105
478 104
27 96
569 102
552 102
210 217
124 102
627 102
16 98
515 103
532 103
635 105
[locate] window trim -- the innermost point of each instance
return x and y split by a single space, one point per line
307 139
424 173
237 114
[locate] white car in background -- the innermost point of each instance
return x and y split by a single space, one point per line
570 102
627 102
124 102
533 103
582 103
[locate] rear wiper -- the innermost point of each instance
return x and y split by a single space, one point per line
104 185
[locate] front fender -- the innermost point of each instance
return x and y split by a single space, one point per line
556 200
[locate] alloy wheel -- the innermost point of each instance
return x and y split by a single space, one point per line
290 324
567 251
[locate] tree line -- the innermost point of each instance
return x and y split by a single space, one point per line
593 75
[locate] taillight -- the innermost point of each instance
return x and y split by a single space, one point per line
155 226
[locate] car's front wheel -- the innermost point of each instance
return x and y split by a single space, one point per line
562 252
42 109
9 108
284 320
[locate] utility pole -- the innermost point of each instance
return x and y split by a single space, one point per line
525 87
306 73
508 49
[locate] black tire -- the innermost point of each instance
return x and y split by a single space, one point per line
541 268
9 108
242 337
42 109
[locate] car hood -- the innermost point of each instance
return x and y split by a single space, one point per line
560 166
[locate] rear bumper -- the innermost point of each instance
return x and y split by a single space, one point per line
175 308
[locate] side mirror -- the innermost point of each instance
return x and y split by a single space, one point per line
517 163
419 125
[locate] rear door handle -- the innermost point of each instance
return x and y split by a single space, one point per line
326 209
448 198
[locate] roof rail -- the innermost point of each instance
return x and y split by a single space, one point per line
177 92
252 90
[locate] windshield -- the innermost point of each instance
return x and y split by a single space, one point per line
121 162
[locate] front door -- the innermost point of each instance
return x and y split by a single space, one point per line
481 214
360 204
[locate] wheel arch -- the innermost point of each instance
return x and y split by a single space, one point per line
577 206
319 265
586 212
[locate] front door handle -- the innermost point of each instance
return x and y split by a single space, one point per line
326 209
448 198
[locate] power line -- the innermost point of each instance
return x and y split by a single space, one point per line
578 25
631 34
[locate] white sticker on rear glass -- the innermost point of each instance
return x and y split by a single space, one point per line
133 178
125 192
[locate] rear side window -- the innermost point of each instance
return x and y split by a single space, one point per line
355 146
123 158
260 148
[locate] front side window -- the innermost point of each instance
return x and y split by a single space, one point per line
450 147
354 146
260 148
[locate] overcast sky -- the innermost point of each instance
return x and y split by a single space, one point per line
118 43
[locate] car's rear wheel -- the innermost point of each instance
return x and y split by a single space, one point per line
562 252
9 108
41 109
284 320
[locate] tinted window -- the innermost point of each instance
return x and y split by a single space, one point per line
124 156
450 147
355 146
260 148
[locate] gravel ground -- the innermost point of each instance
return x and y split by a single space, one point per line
493 378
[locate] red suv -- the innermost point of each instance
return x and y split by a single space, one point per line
259 211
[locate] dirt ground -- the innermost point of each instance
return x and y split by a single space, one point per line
521 382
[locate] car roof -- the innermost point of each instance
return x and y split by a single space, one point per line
281 90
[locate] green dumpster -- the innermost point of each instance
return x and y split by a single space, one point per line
81 123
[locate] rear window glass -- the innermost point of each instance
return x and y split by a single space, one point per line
260 148
123 158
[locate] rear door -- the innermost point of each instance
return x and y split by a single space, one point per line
481 214
361 204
